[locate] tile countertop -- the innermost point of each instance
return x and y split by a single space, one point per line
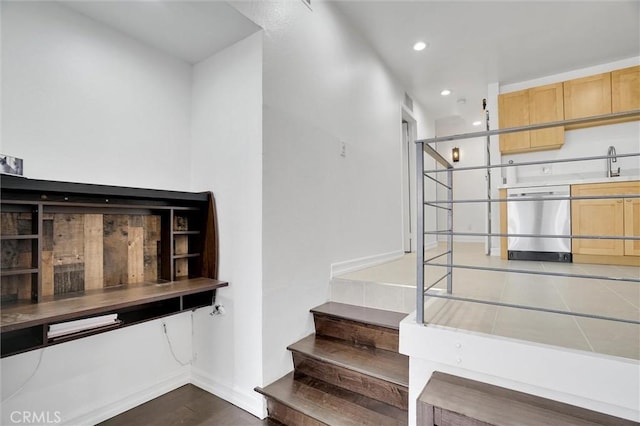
571 179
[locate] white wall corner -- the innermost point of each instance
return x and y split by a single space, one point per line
346 266
252 402
133 399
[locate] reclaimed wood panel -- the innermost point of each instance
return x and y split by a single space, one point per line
135 253
116 251
68 278
93 251
151 247
68 253
47 255
181 268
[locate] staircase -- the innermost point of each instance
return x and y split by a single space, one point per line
348 373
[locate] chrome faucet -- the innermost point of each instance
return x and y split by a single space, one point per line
612 159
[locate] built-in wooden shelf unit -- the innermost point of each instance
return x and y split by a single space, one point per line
74 251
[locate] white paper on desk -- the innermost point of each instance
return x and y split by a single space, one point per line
69 327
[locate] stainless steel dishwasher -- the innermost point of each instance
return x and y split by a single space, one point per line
539 215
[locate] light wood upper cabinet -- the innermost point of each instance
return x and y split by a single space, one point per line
532 106
625 89
587 96
610 217
546 104
513 112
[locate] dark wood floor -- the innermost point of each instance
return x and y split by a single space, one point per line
187 406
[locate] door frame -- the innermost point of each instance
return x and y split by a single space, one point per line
409 203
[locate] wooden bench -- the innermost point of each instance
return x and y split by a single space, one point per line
451 400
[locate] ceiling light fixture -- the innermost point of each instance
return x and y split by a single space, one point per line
421 45
477 123
445 92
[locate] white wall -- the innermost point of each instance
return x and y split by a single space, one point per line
467 185
323 85
83 103
227 159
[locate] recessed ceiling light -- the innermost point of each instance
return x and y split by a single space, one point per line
445 92
477 123
419 46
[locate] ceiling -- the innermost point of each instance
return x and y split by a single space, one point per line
470 43
475 43
189 30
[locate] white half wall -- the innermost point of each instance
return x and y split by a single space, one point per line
594 381
226 136
84 103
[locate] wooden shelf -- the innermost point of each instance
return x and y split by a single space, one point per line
187 255
19 237
186 232
97 302
24 326
5 272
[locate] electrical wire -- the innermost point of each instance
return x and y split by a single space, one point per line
28 378
166 335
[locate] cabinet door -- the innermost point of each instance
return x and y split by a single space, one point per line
625 89
513 112
546 104
632 226
588 96
597 217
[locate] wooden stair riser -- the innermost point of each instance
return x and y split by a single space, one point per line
358 333
288 416
372 387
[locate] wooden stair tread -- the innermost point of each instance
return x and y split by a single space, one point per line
379 363
489 404
330 404
377 317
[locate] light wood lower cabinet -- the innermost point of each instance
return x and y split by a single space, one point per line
616 217
632 226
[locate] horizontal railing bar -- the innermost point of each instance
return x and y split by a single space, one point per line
437 181
489 234
436 206
546 198
550 124
529 272
440 255
436 156
536 163
435 283
531 308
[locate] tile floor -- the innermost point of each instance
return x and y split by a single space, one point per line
392 286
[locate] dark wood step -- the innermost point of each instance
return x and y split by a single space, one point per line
376 373
358 325
297 399
453 400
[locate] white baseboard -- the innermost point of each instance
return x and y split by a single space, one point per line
252 402
132 399
339 268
